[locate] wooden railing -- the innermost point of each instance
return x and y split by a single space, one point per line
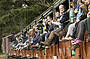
58 51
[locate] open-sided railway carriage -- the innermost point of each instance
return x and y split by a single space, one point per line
59 51
62 50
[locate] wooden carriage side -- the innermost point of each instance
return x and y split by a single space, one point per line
59 51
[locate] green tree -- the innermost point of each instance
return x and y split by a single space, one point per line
16 18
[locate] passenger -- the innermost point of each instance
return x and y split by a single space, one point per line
87 2
80 37
63 17
81 11
26 42
70 32
32 33
39 34
17 43
40 27
13 43
45 30
44 27
44 36
48 18
57 22
49 26
80 16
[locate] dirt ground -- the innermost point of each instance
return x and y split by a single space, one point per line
3 58
6 58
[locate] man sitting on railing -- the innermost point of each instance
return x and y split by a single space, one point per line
80 37
70 32
44 35
81 28
72 29
64 16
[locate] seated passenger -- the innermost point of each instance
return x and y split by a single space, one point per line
17 43
64 16
40 27
82 25
44 36
70 32
57 22
73 27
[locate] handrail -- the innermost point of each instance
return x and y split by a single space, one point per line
7 36
55 4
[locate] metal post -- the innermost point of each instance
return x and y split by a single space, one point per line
69 4
71 13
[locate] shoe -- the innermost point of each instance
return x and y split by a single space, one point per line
43 46
46 47
65 39
45 43
33 46
60 40
76 42
75 46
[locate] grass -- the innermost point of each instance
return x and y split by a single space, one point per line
2 55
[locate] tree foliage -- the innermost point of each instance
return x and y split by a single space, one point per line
13 17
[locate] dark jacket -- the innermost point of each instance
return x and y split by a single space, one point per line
51 28
64 20
64 17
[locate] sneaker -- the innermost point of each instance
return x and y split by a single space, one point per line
66 39
45 43
75 46
31 46
76 42
45 47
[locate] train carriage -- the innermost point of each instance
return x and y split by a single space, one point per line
62 50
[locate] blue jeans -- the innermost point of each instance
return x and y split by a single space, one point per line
46 36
